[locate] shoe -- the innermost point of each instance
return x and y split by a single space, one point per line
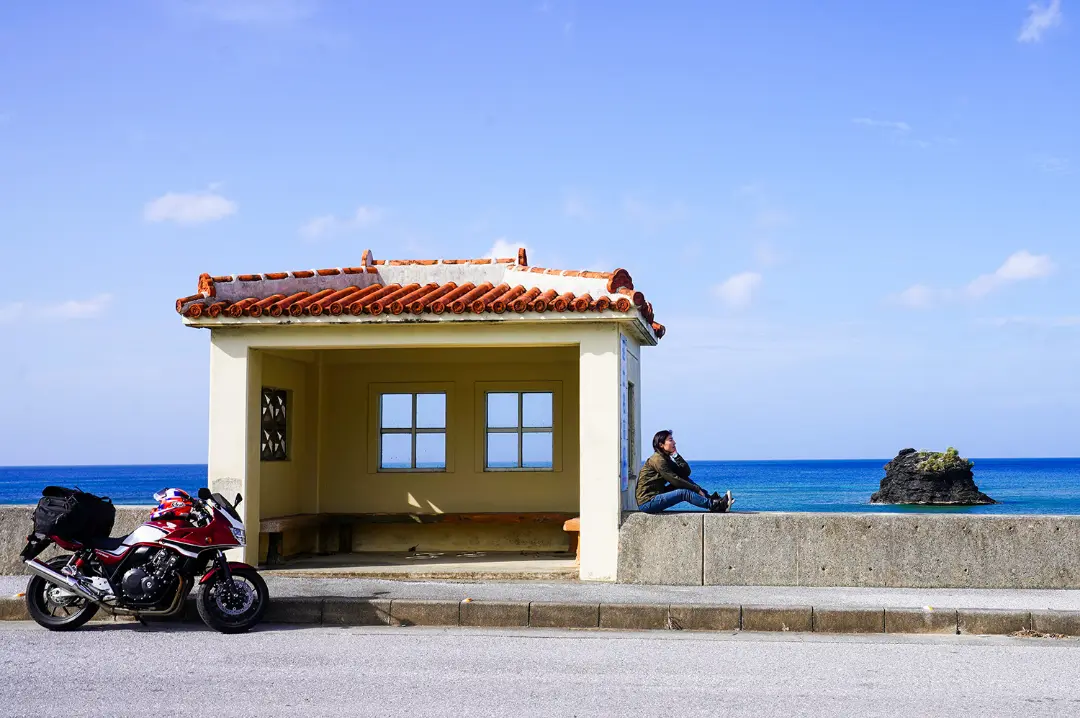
720 504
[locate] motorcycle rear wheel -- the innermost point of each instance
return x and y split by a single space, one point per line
234 608
53 610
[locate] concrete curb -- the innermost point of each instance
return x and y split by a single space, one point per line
339 611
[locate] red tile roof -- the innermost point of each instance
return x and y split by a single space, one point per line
417 286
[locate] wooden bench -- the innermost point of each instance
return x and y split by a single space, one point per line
275 526
573 527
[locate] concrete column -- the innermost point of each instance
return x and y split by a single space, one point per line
235 389
599 411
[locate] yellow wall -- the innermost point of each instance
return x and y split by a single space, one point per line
348 479
289 487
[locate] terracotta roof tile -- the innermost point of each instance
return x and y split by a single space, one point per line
357 307
281 305
441 304
398 305
342 304
380 305
521 304
418 305
418 286
464 302
480 305
540 304
499 305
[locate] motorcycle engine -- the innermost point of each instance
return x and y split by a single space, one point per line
146 582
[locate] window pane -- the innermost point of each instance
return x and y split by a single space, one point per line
536 449
431 451
536 410
502 451
396 411
430 411
502 411
396 451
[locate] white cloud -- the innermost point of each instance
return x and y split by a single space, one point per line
885 124
251 12
1040 19
1018 267
329 225
918 296
188 208
78 308
70 309
738 291
504 248
1054 165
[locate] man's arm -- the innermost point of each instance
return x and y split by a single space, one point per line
666 471
681 467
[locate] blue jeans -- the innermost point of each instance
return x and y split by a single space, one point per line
666 500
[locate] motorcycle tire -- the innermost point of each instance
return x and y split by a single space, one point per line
37 603
213 602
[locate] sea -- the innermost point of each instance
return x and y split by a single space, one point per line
1021 486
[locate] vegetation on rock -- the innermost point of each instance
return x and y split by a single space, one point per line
936 461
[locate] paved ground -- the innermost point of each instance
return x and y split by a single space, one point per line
476 672
449 565
621 593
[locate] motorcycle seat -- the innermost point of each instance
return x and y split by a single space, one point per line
108 544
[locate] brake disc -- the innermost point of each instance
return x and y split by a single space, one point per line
236 599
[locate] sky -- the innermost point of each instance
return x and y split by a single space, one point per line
860 222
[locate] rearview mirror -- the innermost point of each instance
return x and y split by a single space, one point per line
204 493
239 498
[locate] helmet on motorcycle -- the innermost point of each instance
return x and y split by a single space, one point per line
172 504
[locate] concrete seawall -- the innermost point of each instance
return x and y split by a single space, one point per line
833 549
16 523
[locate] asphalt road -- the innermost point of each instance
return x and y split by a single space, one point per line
129 670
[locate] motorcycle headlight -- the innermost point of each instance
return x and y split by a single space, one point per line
239 535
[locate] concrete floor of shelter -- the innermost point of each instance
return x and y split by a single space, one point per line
433 565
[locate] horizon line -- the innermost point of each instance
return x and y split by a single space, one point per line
722 461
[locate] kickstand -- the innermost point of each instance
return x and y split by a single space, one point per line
139 618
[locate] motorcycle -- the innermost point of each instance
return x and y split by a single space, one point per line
151 571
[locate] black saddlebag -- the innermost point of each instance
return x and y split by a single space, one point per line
73 515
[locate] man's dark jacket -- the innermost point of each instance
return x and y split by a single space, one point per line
661 473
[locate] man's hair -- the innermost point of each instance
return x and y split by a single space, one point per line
659 439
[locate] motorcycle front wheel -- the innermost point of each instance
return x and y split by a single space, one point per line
233 606
55 608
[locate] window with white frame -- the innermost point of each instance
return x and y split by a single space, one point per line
519 431
412 431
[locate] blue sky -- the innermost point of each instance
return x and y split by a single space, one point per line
859 221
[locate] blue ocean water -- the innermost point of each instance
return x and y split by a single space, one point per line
122 484
1022 486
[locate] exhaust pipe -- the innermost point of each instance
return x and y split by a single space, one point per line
66 582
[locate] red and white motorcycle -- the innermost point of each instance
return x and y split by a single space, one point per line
149 572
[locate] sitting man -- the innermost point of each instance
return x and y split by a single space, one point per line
664 481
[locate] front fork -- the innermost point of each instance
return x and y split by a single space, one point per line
223 566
